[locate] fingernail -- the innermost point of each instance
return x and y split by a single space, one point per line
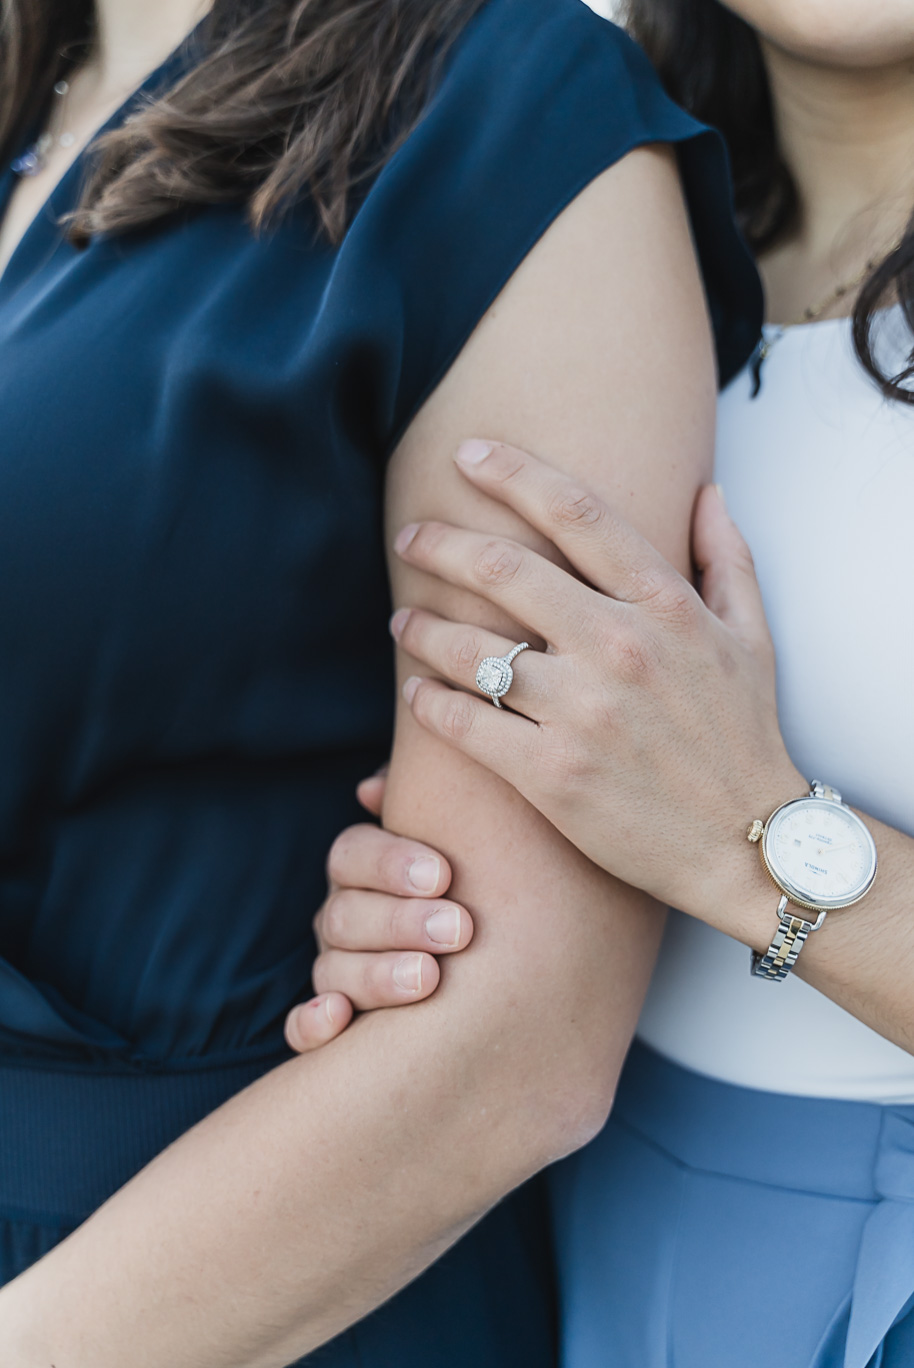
398 622
292 1029
473 453
404 537
443 927
410 687
328 1010
720 494
408 973
424 873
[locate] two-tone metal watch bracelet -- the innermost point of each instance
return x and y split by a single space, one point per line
821 857
787 942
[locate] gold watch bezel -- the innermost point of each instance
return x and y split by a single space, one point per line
792 891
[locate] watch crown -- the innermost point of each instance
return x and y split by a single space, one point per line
754 834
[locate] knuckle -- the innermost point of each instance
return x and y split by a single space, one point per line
560 760
412 636
342 854
574 507
397 925
744 560
505 464
427 540
421 704
597 708
320 974
336 857
677 606
671 598
333 920
464 655
634 661
457 719
726 659
498 563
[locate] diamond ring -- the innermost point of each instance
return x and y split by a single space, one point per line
495 676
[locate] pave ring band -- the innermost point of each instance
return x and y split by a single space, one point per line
495 676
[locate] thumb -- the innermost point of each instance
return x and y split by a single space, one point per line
370 792
728 583
313 1024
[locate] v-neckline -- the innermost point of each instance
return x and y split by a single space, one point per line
46 211
51 207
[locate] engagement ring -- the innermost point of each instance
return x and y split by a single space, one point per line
495 676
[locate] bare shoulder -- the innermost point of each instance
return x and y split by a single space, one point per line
597 355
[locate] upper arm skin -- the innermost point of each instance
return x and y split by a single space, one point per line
598 357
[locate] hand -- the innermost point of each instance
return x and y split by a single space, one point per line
647 732
385 899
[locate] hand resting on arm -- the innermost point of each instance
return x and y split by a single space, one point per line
661 705
385 919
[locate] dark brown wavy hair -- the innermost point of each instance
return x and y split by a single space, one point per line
284 98
711 63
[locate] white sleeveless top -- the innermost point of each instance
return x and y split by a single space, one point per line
818 472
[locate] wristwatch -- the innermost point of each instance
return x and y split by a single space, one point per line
822 857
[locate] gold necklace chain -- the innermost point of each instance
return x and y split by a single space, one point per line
812 312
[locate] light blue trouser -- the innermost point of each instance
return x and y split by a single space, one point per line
711 1226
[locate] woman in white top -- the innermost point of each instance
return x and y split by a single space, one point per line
751 1202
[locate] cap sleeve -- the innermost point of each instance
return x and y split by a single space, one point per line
539 98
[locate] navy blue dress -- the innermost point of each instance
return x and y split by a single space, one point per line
196 667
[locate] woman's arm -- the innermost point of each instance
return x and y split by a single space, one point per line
319 1191
655 739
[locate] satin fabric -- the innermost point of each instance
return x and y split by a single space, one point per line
712 1226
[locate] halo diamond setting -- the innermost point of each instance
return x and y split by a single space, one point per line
495 675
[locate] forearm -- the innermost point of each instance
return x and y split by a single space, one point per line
316 1194
863 956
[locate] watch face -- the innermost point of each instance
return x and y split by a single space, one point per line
820 852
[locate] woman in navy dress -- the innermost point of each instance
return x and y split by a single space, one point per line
751 1200
317 244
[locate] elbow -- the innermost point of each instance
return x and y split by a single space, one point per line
546 1068
578 1112
569 1127
567 1103
580 1072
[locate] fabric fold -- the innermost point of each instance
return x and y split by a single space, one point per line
35 1011
797 1211
884 1281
